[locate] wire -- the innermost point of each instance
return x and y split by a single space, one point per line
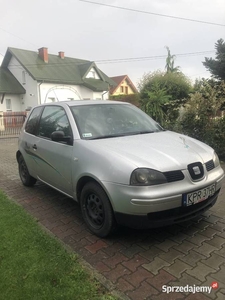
152 13
120 60
17 36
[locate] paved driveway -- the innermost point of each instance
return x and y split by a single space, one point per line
135 264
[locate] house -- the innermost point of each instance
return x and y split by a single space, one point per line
29 78
124 86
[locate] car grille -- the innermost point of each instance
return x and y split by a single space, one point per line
174 176
210 165
196 170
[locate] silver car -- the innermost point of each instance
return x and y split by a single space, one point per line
120 165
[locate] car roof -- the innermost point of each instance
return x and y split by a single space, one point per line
84 102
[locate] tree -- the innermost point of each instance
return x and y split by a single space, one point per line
173 88
153 101
202 119
217 66
170 62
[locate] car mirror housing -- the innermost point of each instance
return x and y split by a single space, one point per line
59 136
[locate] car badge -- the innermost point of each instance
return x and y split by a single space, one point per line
196 170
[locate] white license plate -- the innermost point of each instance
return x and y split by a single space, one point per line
198 196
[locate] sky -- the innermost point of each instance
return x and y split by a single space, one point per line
123 37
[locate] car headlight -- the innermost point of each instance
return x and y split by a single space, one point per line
216 160
143 176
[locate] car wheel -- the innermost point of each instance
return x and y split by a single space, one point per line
97 210
25 177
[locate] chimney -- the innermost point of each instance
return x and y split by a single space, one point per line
61 54
43 54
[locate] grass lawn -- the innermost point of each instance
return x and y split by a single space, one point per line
35 266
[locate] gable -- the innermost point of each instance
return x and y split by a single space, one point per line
122 81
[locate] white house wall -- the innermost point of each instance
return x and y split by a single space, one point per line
29 99
15 102
61 92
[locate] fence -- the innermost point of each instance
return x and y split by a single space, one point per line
11 123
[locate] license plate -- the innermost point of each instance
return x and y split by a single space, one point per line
198 196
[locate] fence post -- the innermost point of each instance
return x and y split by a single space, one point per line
2 127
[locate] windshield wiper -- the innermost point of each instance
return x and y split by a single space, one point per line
120 134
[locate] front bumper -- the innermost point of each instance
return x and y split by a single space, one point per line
166 217
160 205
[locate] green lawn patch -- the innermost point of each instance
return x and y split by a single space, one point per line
35 266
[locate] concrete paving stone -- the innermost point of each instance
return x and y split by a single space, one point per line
94 259
200 271
147 242
201 224
169 296
156 265
177 268
101 267
221 252
213 219
95 247
220 296
124 285
145 291
162 278
206 249
179 238
217 241
219 226
197 297
185 247
189 228
131 251
116 273
137 277
135 262
219 285
115 260
166 245
192 258
220 275
171 255
209 232
186 279
114 248
151 253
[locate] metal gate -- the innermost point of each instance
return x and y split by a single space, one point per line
11 123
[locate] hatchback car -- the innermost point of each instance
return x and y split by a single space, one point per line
119 164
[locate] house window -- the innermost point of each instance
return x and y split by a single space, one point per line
121 89
126 89
23 77
8 104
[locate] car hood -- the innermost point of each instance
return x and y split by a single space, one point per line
161 150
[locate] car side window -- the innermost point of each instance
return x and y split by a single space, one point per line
54 118
32 122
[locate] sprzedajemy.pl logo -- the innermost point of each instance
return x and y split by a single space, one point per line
190 288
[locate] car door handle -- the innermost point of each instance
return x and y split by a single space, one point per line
35 147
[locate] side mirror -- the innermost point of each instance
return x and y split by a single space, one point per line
59 136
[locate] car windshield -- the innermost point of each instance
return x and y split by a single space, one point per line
100 121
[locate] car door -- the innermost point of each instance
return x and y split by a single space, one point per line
28 139
55 157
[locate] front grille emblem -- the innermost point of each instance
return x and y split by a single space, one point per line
196 170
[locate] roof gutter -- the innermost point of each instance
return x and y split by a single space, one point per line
3 96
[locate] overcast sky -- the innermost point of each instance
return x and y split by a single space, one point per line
102 32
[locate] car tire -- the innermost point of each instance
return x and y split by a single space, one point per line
25 176
97 210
